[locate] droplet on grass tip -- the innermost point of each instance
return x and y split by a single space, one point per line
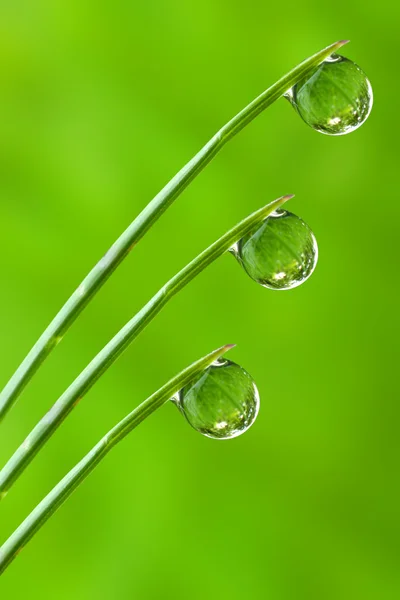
335 99
279 254
222 402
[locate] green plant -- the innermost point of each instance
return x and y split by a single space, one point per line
121 248
279 252
108 355
70 482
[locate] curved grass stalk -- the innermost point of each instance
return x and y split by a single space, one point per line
119 250
74 478
108 355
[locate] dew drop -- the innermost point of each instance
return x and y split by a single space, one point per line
222 402
336 99
279 254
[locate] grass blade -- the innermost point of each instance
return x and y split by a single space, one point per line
74 478
109 354
120 249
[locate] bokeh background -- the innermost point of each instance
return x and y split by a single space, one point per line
100 104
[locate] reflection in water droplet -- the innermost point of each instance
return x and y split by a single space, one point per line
281 253
336 99
222 402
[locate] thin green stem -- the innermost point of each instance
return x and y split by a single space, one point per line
120 249
109 354
74 478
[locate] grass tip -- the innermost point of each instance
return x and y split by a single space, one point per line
229 346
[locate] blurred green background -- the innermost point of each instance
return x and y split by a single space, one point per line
100 104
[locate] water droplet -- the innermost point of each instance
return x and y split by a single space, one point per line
279 254
336 99
222 402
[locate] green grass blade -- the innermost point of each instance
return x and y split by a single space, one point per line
120 249
74 478
109 354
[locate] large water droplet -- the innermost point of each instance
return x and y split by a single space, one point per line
281 253
222 402
336 99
